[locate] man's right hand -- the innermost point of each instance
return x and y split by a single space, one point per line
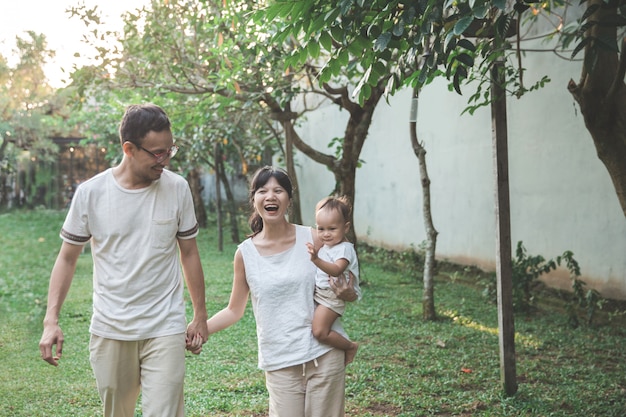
52 336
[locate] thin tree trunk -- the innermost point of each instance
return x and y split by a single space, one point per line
4 192
343 168
217 152
231 204
601 94
193 178
428 299
295 214
345 185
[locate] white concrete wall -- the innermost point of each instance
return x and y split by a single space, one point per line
561 195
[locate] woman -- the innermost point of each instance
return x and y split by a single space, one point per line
304 377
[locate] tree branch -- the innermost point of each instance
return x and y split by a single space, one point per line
314 154
344 99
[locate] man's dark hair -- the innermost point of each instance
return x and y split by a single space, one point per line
139 119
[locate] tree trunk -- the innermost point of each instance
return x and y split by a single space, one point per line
231 204
601 94
217 155
428 298
344 168
4 200
295 214
345 178
355 134
193 178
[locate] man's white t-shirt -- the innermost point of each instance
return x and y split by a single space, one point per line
137 278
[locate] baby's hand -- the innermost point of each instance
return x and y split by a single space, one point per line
194 345
312 251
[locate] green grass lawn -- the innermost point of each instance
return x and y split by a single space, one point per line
405 366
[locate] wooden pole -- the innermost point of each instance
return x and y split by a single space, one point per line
504 269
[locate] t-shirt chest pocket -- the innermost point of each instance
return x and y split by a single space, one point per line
163 233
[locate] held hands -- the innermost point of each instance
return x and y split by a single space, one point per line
197 335
194 345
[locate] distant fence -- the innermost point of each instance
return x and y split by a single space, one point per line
51 183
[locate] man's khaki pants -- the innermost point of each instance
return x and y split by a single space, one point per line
156 367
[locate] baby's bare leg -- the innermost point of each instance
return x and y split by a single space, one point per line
323 320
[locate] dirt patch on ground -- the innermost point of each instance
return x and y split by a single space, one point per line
376 409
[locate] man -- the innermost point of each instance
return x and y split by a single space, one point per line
138 217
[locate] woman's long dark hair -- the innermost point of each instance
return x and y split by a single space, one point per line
260 178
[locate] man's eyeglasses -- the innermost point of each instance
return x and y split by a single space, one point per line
160 157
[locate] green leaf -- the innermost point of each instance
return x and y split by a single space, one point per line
390 88
520 7
326 41
463 24
466 44
500 4
366 92
273 11
459 76
465 59
325 75
344 6
450 41
338 34
313 49
343 58
363 42
362 82
590 10
332 15
382 41
398 29
355 49
280 37
426 27
481 11
318 24
259 16
291 61
373 31
580 46
303 56
295 9
335 66
379 70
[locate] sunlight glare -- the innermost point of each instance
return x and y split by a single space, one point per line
64 34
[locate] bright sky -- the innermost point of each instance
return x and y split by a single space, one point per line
64 34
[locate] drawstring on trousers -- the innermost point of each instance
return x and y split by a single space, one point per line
304 367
